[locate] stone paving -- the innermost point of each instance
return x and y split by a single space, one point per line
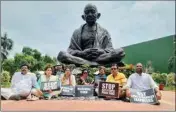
88 104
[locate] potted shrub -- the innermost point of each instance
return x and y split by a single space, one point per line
161 86
162 78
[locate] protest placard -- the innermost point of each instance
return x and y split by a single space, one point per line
146 96
67 90
51 85
108 89
84 90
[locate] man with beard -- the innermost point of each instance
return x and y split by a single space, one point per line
91 44
23 84
141 81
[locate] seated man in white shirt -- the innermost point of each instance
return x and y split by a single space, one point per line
141 81
23 84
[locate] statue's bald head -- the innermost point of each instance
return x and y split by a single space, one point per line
90 6
90 14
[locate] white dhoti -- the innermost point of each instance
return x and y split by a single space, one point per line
96 90
8 92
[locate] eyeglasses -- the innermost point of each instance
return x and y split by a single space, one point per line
113 68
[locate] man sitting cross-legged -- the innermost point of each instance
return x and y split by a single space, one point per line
23 84
117 77
141 81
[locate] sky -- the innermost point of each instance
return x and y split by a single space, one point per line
48 25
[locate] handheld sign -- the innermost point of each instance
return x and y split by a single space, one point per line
68 90
146 96
84 90
51 85
108 89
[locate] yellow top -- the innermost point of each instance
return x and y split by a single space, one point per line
119 78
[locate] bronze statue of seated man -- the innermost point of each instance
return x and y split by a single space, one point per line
91 44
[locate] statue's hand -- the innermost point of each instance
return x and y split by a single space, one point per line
86 51
101 51
98 51
94 54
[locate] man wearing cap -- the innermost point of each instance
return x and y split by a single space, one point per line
23 84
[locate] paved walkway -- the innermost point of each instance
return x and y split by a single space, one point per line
167 104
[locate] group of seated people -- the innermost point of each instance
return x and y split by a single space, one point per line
26 85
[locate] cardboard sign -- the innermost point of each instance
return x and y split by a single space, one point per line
68 90
108 89
51 85
146 96
84 90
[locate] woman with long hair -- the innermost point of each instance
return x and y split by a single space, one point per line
67 78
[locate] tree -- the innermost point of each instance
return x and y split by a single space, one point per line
9 65
6 46
27 51
171 64
5 79
5 76
48 59
55 60
30 56
38 66
37 55
25 59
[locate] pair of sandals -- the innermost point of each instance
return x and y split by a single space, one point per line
32 97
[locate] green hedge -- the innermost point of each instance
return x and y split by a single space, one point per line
166 79
5 84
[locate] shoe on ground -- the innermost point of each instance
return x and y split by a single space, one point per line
125 99
157 103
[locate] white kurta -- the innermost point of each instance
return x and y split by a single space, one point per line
20 84
141 82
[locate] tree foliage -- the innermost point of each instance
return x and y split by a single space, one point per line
32 57
5 76
6 46
159 77
171 64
